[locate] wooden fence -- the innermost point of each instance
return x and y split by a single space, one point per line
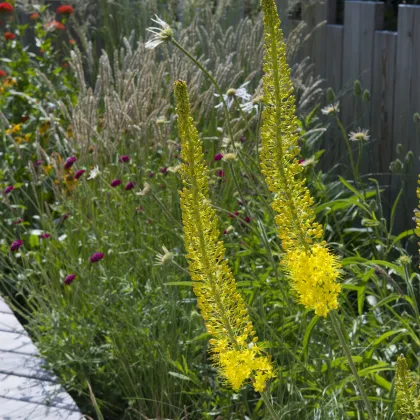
388 65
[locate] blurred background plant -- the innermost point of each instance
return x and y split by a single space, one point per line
89 183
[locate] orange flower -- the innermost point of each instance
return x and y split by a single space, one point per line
65 10
72 41
34 16
55 25
9 36
3 73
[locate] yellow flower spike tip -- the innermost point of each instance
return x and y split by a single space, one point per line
233 343
408 405
312 269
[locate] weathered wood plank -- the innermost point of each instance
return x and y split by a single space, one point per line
407 103
20 364
383 98
35 391
361 19
17 343
21 410
383 94
333 143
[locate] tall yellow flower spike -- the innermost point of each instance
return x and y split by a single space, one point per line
312 269
233 344
408 404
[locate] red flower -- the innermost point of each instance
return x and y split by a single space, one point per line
220 173
300 161
65 10
129 185
34 16
54 25
3 73
69 162
6 7
18 221
8 189
72 41
69 279
115 183
38 162
9 36
217 157
44 236
124 159
79 173
97 256
234 214
164 171
16 245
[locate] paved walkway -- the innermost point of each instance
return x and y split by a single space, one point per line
27 391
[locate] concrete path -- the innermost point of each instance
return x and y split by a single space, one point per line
27 391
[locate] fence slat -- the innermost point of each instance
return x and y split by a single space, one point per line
333 145
383 102
361 19
407 102
316 16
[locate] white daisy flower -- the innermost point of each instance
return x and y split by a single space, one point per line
162 259
240 93
94 173
333 108
359 135
161 34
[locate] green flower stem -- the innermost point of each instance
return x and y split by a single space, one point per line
350 152
216 85
342 339
269 405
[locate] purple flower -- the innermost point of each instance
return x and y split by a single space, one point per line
151 174
247 219
69 162
129 185
69 279
220 173
38 162
79 173
44 236
66 216
115 183
124 159
242 139
16 245
164 170
8 189
217 157
18 221
97 256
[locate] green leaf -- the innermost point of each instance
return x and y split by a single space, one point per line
179 283
308 333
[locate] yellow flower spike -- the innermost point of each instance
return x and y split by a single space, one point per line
221 306
408 404
312 269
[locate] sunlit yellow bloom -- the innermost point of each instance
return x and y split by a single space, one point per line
300 233
233 344
15 128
